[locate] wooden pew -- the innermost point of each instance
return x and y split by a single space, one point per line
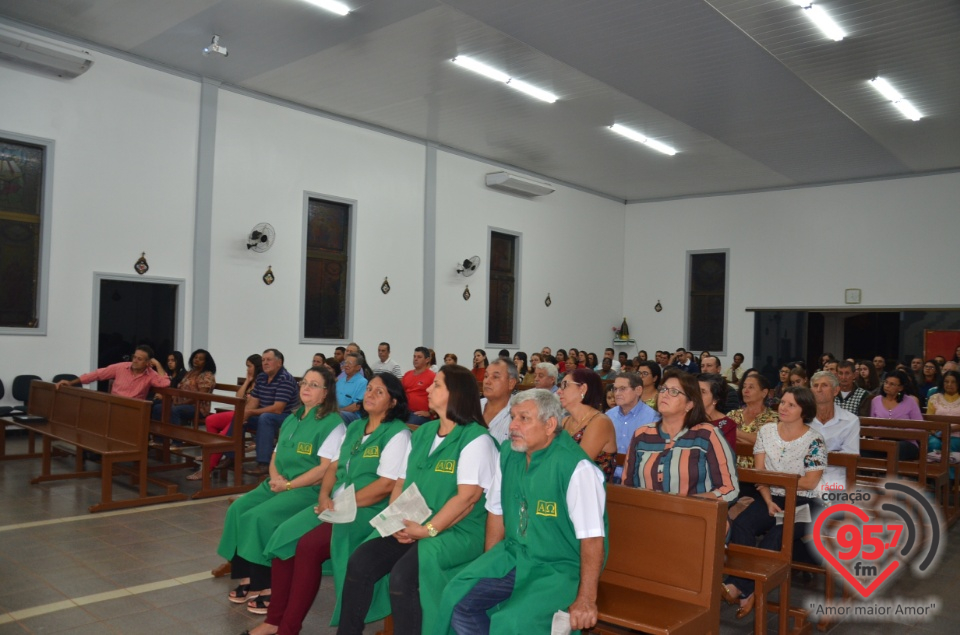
114 427
672 585
934 475
769 569
208 442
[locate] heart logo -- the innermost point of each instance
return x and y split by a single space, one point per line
865 591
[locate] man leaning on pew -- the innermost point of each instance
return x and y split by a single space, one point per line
132 379
546 532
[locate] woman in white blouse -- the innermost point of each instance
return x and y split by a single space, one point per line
790 446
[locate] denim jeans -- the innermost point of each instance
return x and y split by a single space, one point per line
268 425
470 615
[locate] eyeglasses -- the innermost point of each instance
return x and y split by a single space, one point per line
674 392
622 388
645 373
310 384
566 383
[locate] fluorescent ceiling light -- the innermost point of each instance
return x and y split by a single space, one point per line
332 5
883 87
641 138
499 76
819 17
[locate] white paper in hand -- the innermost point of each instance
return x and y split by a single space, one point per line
801 515
344 507
561 624
410 505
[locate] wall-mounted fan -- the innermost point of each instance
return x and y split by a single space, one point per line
468 266
261 238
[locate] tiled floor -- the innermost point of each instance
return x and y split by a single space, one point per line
147 570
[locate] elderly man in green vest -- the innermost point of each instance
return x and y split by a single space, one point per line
546 529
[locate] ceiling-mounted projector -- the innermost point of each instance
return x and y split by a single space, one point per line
40 54
516 184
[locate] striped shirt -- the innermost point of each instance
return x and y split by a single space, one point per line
695 461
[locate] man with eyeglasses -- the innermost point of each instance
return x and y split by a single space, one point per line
546 532
350 387
630 413
274 396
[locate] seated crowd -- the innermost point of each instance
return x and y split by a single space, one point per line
497 471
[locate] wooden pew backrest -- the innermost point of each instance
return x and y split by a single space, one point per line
663 544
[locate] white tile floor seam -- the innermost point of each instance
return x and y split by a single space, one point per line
119 512
85 600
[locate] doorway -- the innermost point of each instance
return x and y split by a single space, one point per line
133 311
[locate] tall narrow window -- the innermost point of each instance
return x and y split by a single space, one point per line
22 189
327 270
707 306
501 319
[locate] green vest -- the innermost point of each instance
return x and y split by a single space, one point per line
358 464
435 474
539 541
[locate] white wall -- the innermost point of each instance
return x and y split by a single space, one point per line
267 156
798 248
571 247
124 182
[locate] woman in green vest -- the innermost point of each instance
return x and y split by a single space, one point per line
308 441
372 457
452 461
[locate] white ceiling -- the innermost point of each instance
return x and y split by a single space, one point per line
748 91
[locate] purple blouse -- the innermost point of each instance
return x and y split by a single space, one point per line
906 409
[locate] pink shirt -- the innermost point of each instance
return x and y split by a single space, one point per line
125 382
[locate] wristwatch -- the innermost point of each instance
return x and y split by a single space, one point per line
288 486
431 530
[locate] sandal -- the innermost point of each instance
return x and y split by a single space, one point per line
242 594
196 476
260 605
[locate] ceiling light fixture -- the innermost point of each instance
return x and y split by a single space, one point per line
883 87
331 5
641 138
819 17
499 76
215 47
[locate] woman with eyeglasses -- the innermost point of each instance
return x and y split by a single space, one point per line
452 461
371 459
650 375
581 395
683 453
308 441
898 401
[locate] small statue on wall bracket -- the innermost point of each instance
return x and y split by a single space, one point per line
466 292
268 277
141 266
385 287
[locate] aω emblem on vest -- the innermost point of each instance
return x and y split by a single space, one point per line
304 448
372 452
447 466
546 508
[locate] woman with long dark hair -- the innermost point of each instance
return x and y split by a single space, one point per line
897 400
200 378
649 372
452 462
581 395
480 364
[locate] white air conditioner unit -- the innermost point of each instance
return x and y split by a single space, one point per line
41 54
516 184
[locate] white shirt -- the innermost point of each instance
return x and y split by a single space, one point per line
586 499
615 366
393 458
330 448
841 434
388 366
500 425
